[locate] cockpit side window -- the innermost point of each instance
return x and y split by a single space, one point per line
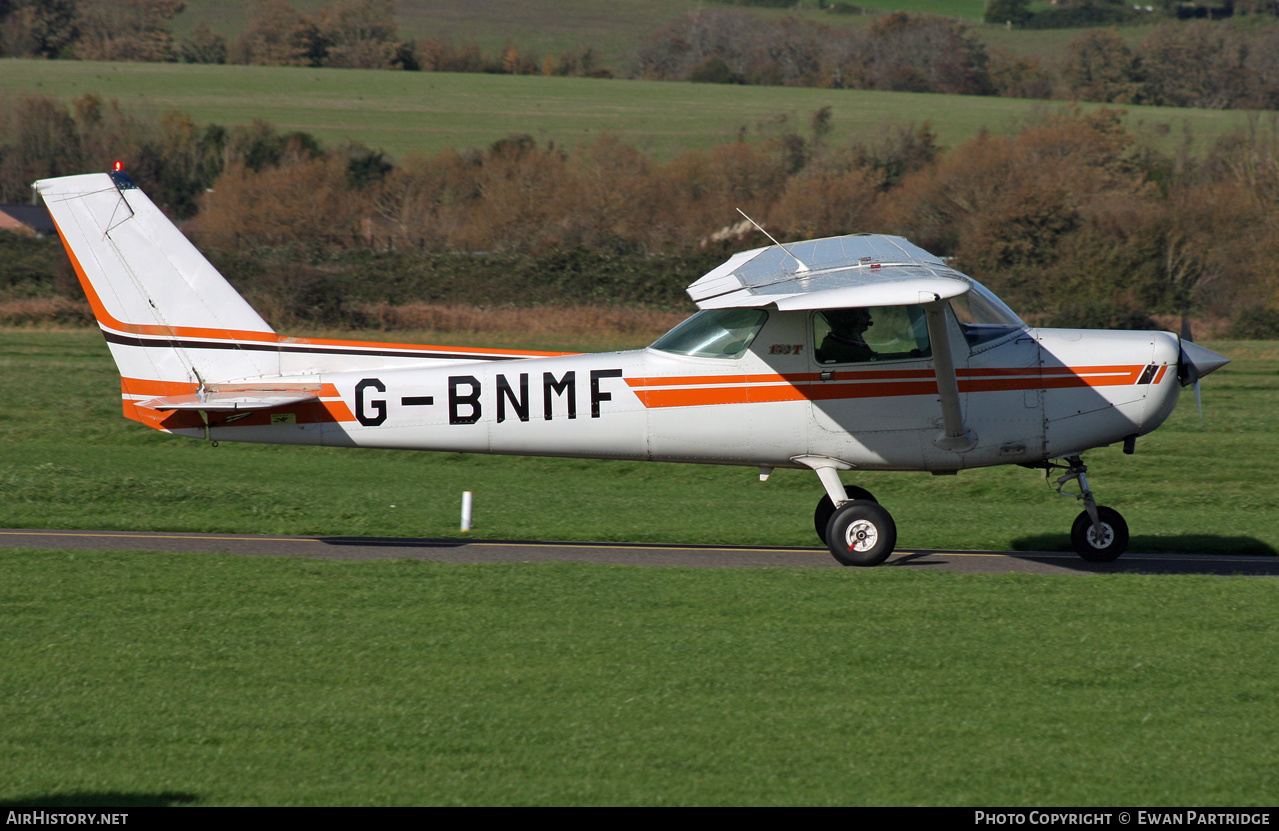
714 333
877 333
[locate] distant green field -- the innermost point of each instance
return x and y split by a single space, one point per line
404 112
614 29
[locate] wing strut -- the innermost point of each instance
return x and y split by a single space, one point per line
954 436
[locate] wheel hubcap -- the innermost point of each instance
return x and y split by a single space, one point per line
1102 540
862 536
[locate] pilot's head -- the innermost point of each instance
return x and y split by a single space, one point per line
849 320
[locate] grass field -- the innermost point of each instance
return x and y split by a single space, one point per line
142 678
549 28
135 679
403 112
617 28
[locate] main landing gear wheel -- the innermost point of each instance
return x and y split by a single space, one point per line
861 533
1103 543
826 508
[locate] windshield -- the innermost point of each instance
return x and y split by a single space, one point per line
983 317
714 333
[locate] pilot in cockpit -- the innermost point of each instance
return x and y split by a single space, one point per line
846 342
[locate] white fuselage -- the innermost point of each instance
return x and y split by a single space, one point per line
1039 394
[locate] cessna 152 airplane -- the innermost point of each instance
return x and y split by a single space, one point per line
853 353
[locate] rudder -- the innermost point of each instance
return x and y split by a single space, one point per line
171 320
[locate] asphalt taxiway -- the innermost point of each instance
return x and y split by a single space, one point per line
469 550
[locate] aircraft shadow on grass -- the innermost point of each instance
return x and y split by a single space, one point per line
101 799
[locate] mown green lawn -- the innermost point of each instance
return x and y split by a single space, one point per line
134 679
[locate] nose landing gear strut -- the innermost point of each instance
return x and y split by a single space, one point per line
1099 534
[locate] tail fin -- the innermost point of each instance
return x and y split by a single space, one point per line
172 321
183 339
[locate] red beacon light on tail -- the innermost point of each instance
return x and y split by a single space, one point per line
121 179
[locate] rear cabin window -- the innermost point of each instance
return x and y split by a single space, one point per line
877 333
714 333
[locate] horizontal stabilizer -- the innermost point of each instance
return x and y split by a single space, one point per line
231 401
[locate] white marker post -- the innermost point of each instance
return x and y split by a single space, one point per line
466 511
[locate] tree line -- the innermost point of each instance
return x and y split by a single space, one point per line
1062 14
1074 220
1215 65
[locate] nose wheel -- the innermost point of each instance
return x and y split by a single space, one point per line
1101 541
1099 534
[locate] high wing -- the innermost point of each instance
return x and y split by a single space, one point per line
845 272
838 272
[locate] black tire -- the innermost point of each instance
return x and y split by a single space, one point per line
861 533
1114 536
826 508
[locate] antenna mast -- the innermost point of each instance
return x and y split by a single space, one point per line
802 268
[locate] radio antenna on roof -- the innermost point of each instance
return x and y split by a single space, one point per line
802 268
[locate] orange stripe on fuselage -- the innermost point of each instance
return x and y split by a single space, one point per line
788 378
1054 378
695 391
781 392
